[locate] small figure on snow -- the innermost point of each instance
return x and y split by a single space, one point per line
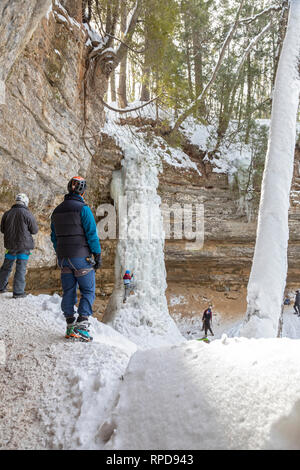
297 303
207 321
77 246
128 284
18 225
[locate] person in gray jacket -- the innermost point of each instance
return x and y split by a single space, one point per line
18 225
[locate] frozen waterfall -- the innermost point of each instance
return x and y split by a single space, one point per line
144 318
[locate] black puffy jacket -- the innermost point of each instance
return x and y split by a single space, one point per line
68 228
18 226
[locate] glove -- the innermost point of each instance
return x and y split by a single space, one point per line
98 261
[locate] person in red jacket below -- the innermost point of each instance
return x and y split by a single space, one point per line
207 320
128 284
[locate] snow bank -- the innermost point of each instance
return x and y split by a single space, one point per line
57 394
92 374
233 394
235 157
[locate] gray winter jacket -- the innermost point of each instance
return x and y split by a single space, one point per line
18 226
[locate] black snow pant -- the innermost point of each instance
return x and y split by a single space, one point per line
207 327
297 308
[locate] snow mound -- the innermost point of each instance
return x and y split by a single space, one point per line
231 394
56 394
145 325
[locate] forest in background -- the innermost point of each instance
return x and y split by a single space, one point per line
214 60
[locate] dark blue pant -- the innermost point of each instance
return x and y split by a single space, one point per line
71 280
19 282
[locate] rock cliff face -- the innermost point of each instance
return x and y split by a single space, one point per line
50 130
18 21
49 116
219 272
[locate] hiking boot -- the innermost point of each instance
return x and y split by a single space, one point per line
81 330
20 296
70 329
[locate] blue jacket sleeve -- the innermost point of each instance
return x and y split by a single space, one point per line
90 229
53 236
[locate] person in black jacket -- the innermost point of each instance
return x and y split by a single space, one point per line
18 225
77 246
297 303
207 320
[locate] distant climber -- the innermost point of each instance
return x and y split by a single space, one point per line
77 246
128 284
207 321
297 303
18 225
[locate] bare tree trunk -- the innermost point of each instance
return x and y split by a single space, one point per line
113 92
145 93
122 91
249 100
189 68
133 82
113 11
198 68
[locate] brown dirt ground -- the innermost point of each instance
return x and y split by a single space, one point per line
230 305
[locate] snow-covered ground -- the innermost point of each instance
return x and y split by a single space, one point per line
234 393
55 394
231 394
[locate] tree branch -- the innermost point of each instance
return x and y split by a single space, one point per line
252 43
141 51
258 15
128 110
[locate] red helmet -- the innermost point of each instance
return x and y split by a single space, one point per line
77 185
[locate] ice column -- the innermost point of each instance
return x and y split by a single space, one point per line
144 318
